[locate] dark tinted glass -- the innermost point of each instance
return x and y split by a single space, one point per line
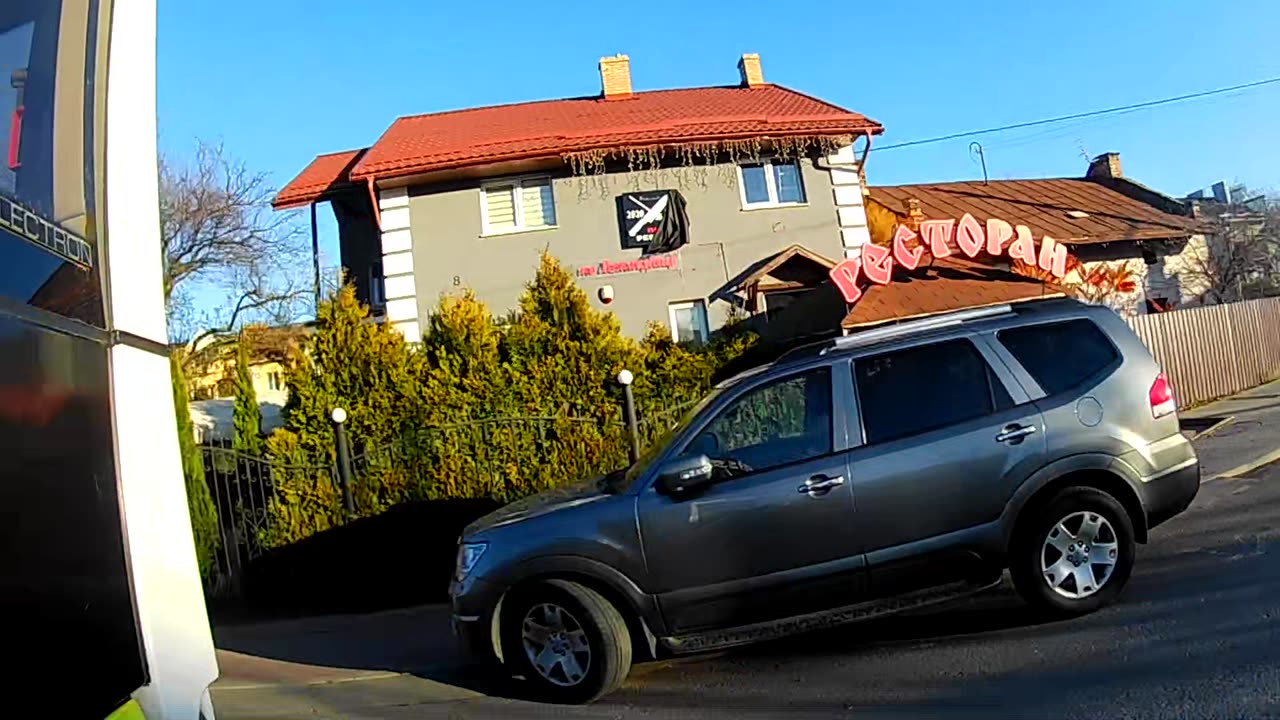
63 565
912 391
48 219
785 421
1060 355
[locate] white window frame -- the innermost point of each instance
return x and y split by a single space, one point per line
772 184
688 305
517 202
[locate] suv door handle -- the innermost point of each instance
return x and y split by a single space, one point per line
1015 433
819 485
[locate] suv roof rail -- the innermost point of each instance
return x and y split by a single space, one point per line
934 322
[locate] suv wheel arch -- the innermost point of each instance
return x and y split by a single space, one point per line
1106 477
631 602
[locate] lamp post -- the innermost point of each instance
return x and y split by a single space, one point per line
625 378
339 417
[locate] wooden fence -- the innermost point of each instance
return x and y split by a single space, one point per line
1209 352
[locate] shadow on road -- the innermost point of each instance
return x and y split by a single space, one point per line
1206 582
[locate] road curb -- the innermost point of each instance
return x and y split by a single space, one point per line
1214 427
1246 468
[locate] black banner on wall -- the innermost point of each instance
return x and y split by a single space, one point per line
654 221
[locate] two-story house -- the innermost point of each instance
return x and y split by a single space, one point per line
655 200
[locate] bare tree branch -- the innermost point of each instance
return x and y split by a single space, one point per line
216 220
1240 258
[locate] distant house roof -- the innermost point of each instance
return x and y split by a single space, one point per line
949 284
1075 211
553 128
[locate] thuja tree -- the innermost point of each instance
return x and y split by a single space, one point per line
564 354
204 516
246 416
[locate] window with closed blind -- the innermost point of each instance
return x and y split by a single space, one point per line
517 205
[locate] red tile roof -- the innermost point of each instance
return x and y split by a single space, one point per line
950 284
323 174
1042 205
551 128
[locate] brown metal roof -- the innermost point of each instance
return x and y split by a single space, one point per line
1043 206
950 284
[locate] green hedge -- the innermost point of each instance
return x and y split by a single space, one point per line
484 408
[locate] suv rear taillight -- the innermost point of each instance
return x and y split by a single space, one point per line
1161 397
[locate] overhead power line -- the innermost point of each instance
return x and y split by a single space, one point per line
1078 116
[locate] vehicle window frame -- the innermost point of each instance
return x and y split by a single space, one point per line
1034 389
993 372
713 412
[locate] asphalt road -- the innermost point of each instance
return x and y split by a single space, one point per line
1196 635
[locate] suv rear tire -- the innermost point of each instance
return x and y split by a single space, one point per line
1075 554
570 644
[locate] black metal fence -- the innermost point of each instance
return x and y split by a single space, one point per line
500 458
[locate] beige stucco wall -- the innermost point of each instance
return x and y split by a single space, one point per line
450 253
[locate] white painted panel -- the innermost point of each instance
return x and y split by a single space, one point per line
166 582
402 309
854 237
843 156
133 239
400 286
393 198
852 252
397 263
852 216
848 194
395 219
844 176
409 328
397 241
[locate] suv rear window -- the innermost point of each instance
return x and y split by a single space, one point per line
919 389
1060 355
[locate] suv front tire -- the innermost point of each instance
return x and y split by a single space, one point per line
1075 554
569 643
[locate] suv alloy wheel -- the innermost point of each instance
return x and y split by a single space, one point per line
569 644
1076 554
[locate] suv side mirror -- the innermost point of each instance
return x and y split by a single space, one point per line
684 475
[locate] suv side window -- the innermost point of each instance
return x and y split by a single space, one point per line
908 392
1060 355
778 423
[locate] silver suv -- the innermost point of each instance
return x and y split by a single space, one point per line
875 473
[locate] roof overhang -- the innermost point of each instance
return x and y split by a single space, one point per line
321 178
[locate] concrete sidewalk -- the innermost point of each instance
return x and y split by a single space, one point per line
1247 433
337 665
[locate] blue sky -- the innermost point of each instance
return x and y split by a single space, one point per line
281 81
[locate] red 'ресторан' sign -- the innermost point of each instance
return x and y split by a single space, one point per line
970 237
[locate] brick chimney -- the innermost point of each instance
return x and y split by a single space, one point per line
1106 165
615 76
749 68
